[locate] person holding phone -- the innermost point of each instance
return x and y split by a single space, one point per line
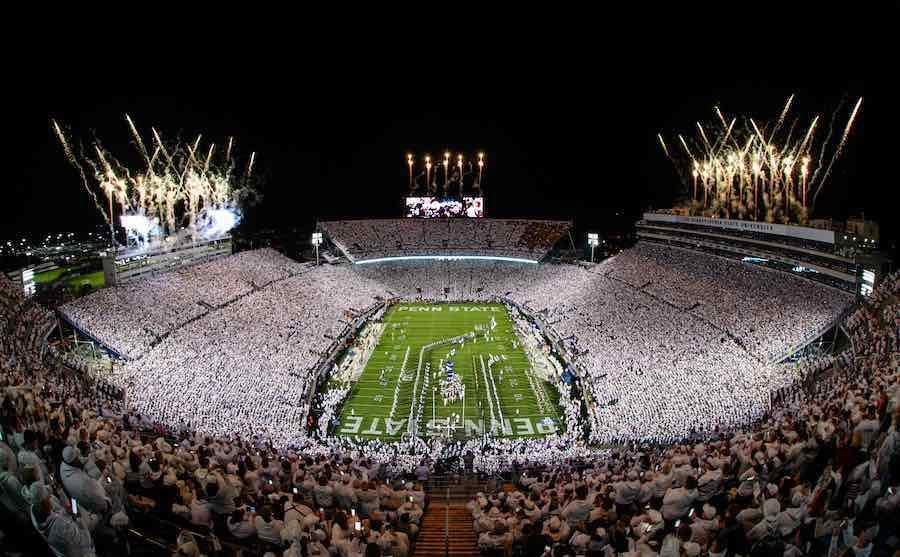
65 531
115 493
88 491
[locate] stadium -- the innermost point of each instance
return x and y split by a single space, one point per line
442 381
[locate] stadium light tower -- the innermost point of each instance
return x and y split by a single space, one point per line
593 241
317 241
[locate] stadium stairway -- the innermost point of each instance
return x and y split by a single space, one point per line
446 512
439 517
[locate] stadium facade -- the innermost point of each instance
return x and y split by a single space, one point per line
823 255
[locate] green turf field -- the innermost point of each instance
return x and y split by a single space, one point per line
72 282
505 398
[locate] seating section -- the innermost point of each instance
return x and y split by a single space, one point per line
373 239
131 317
209 449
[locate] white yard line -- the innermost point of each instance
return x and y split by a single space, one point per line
487 389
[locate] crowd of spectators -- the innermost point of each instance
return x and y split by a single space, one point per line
748 301
75 470
644 322
816 475
377 238
132 317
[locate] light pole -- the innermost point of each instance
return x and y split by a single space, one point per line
317 241
593 241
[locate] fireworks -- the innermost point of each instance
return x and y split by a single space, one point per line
455 174
739 169
180 188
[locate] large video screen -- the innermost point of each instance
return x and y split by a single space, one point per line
431 207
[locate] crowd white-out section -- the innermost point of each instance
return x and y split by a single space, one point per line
380 239
666 341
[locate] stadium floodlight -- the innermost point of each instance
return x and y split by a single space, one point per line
317 241
593 241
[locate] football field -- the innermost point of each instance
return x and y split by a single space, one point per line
412 383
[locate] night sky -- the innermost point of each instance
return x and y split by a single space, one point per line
564 136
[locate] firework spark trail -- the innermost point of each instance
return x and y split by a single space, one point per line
787 140
74 162
162 149
721 118
663 143
212 147
805 143
724 140
250 165
787 106
137 138
153 158
821 161
703 135
839 148
187 188
770 162
686 150
758 133
196 147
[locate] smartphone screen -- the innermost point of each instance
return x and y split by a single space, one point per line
358 526
294 490
74 506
